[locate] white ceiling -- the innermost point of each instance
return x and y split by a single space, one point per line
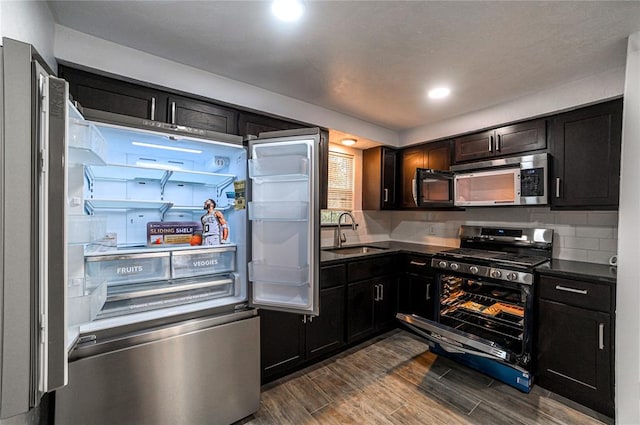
375 60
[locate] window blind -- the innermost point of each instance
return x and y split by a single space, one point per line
340 190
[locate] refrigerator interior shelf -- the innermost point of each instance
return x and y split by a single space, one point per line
288 167
91 205
143 249
198 208
85 299
279 275
279 211
128 173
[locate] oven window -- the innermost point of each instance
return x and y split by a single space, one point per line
491 311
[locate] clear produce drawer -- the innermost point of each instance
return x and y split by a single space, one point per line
201 262
128 268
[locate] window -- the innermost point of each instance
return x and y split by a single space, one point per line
340 187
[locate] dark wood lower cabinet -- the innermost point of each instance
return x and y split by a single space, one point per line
325 333
575 344
281 342
416 295
371 307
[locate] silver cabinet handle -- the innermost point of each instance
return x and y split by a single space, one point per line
428 297
381 292
490 143
304 318
153 109
386 195
377 297
173 112
557 187
573 290
601 336
417 263
498 143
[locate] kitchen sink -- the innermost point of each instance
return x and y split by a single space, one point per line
351 250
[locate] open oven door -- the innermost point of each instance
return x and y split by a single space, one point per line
476 354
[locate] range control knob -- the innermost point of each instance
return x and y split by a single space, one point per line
512 276
454 266
442 264
473 270
496 273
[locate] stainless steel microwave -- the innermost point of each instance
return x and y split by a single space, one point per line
433 188
521 180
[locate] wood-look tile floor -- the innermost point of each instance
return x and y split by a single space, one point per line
394 379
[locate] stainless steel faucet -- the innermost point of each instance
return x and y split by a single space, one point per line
340 237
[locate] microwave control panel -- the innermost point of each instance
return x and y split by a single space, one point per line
532 182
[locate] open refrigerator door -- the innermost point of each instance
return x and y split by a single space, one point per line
284 218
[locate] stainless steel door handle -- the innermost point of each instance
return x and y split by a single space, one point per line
381 292
490 143
557 187
572 290
153 109
601 336
386 195
173 112
417 263
498 143
376 296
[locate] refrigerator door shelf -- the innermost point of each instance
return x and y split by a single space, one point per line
279 211
86 144
288 276
290 167
85 300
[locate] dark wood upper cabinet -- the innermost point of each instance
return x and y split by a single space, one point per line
254 124
115 96
508 140
586 157
435 155
203 115
379 177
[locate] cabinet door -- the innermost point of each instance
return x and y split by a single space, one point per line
410 158
422 296
325 333
474 146
281 342
575 354
254 124
360 310
586 152
438 155
522 137
387 303
379 170
115 96
203 115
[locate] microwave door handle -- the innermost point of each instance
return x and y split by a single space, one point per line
414 189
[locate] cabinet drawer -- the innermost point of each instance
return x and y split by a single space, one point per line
589 295
331 276
417 264
366 269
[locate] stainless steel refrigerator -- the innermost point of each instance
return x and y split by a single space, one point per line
109 300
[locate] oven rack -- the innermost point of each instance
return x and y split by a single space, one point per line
487 301
463 318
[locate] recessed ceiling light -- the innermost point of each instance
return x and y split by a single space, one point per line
348 142
287 10
439 93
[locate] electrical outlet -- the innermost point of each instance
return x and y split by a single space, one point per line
431 229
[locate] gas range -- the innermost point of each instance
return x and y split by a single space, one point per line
507 254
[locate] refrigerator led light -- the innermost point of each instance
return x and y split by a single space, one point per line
169 148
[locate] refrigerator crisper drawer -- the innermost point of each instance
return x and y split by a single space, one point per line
130 268
202 262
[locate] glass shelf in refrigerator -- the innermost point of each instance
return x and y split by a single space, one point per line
198 208
92 205
129 172
260 272
278 211
288 167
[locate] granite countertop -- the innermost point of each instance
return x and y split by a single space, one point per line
579 270
388 247
559 268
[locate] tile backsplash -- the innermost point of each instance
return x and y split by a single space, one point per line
590 236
